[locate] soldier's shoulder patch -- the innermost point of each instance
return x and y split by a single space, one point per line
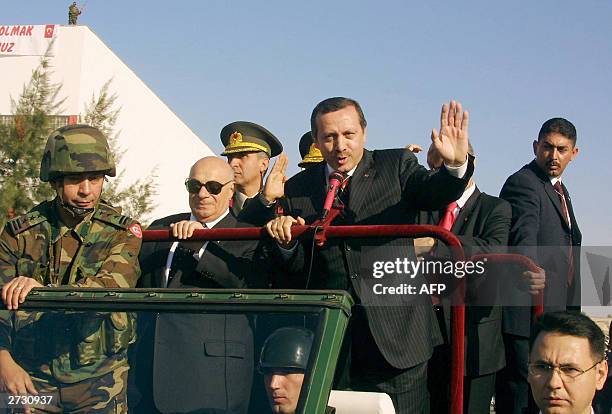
25 221
110 216
136 230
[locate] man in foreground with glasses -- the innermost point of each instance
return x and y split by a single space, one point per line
191 372
567 363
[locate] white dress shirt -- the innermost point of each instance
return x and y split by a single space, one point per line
463 199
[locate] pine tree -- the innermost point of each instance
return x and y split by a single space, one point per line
24 135
22 141
136 200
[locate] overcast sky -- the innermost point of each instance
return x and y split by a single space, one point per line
512 64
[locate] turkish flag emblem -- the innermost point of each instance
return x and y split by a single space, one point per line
49 31
136 230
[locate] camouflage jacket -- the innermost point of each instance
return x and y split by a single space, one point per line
75 346
73 11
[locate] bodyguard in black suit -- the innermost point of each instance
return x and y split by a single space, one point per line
482 224
545 229
390 344
200 363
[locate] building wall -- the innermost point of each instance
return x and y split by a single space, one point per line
153 137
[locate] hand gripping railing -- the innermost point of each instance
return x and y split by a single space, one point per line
321 231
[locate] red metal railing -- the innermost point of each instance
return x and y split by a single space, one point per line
322 231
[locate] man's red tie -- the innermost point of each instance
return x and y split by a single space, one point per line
570 265
559 189
449 216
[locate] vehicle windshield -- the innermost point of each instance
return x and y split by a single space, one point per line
188 352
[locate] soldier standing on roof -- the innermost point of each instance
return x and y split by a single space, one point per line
75 240
73 13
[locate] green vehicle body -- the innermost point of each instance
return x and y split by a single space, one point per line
331 308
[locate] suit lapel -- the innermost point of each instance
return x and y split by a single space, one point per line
550 191
360 183
228 222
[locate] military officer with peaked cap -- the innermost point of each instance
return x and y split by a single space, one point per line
248 148
311 155
76 240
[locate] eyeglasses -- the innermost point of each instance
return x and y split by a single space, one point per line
567 373
213 187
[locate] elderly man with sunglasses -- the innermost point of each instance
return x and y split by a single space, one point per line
191 372
567 363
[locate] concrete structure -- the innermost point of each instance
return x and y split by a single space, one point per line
153 137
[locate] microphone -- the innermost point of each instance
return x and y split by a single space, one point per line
335 180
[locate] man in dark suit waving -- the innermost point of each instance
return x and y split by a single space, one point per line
390 344
482 224
545 229
201 362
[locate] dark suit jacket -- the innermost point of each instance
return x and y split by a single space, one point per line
225 263
482 226
200 362
541 232
386 188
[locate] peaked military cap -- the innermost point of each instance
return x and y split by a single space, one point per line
308 151
243 136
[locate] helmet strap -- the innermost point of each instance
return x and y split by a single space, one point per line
75 213
72 212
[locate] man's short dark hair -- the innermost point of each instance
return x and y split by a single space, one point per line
573 324
332 105
560 126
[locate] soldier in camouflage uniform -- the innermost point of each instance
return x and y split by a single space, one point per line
76 240
73 13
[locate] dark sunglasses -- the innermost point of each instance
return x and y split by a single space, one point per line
213 187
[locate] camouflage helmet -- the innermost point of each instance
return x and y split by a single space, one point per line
76 149
286 349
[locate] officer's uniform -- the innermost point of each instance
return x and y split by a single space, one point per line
80 358
243 137
73 14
